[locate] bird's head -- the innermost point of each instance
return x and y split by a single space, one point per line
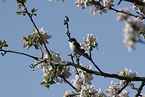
72 40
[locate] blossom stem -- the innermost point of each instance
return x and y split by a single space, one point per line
96 66
40 47
67 26
77 59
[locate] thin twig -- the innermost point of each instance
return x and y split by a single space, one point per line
140 89
67 26
119 91
37 31
75 67
47 51
69 83
96 66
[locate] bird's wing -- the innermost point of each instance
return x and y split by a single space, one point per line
82 50
79 47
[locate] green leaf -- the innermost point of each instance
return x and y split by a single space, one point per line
25 1
117 84
4 41
19 6
46 78
24 14
5 45
52 82
124 73
94 39
67 19
20 1
3 1
36 47
18 13
35 14
2 54
46 85
69 54
33 10
42 83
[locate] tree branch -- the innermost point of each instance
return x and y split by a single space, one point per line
99 73
121 11
137 2
10 51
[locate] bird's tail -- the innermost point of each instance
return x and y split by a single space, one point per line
87 56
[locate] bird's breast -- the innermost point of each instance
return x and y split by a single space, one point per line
74 49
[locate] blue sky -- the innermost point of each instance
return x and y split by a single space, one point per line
18 80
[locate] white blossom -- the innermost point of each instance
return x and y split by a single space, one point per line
43 33
108 3
124 93
127 73
133 27
89 42
139 8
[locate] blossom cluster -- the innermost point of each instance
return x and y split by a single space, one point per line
113 89
108 3
82 83
35 39
133 27
100 7
89 43
86 88
127 73
50 72
3 44
139 8
87 91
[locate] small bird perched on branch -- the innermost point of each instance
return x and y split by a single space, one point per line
76 48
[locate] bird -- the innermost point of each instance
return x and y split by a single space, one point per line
76 48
